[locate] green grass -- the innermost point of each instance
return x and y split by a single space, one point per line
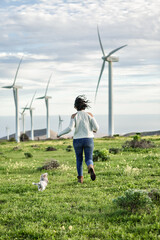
68 209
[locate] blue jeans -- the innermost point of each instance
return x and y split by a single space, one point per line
86 145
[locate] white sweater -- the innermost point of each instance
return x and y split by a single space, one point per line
84 126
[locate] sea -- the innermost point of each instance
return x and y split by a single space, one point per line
122 123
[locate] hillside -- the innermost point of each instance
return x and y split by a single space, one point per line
152 133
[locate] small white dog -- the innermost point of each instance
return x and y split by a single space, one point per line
43 182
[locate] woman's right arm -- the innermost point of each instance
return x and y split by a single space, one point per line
68 129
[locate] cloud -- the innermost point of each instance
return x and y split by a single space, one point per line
60 36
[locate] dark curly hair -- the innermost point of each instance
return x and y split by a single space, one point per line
81 103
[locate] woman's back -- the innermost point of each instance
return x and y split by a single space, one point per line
84 124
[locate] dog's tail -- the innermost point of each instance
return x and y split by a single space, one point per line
35 183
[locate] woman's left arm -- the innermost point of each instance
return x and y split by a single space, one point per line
95 125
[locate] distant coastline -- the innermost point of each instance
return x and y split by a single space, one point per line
40 134
123 124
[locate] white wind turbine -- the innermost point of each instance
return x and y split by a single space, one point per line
47 108
60 124
31 116
109 59
15 93
22 118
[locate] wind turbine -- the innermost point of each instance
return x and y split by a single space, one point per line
15 94
109 58
60 124
47 108
7 131
22 118
31 116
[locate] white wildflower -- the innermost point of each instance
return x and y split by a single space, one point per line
63 228
70 227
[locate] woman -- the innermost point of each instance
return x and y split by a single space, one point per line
84 124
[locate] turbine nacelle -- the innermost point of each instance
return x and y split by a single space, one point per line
48 97
28 108
16 86
44 97
12 86
110 59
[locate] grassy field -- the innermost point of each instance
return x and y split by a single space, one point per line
70 210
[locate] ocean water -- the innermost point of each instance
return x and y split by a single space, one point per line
122 123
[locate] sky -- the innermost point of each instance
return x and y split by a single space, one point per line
59 37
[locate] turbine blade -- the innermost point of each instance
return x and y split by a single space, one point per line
32 99
17 71
8 86
103 65
100 42
115 50
41 97
48 84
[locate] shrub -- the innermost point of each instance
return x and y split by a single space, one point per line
137 143
50 165
138 133
100 155
137 137
24 137
151 157
116 135
114 150
51 149
35 146
12 139
154 194
69 148
28 155
134 200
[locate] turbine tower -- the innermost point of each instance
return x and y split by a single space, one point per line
109 58
7 131
47 109
15 94
60 124
31 116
